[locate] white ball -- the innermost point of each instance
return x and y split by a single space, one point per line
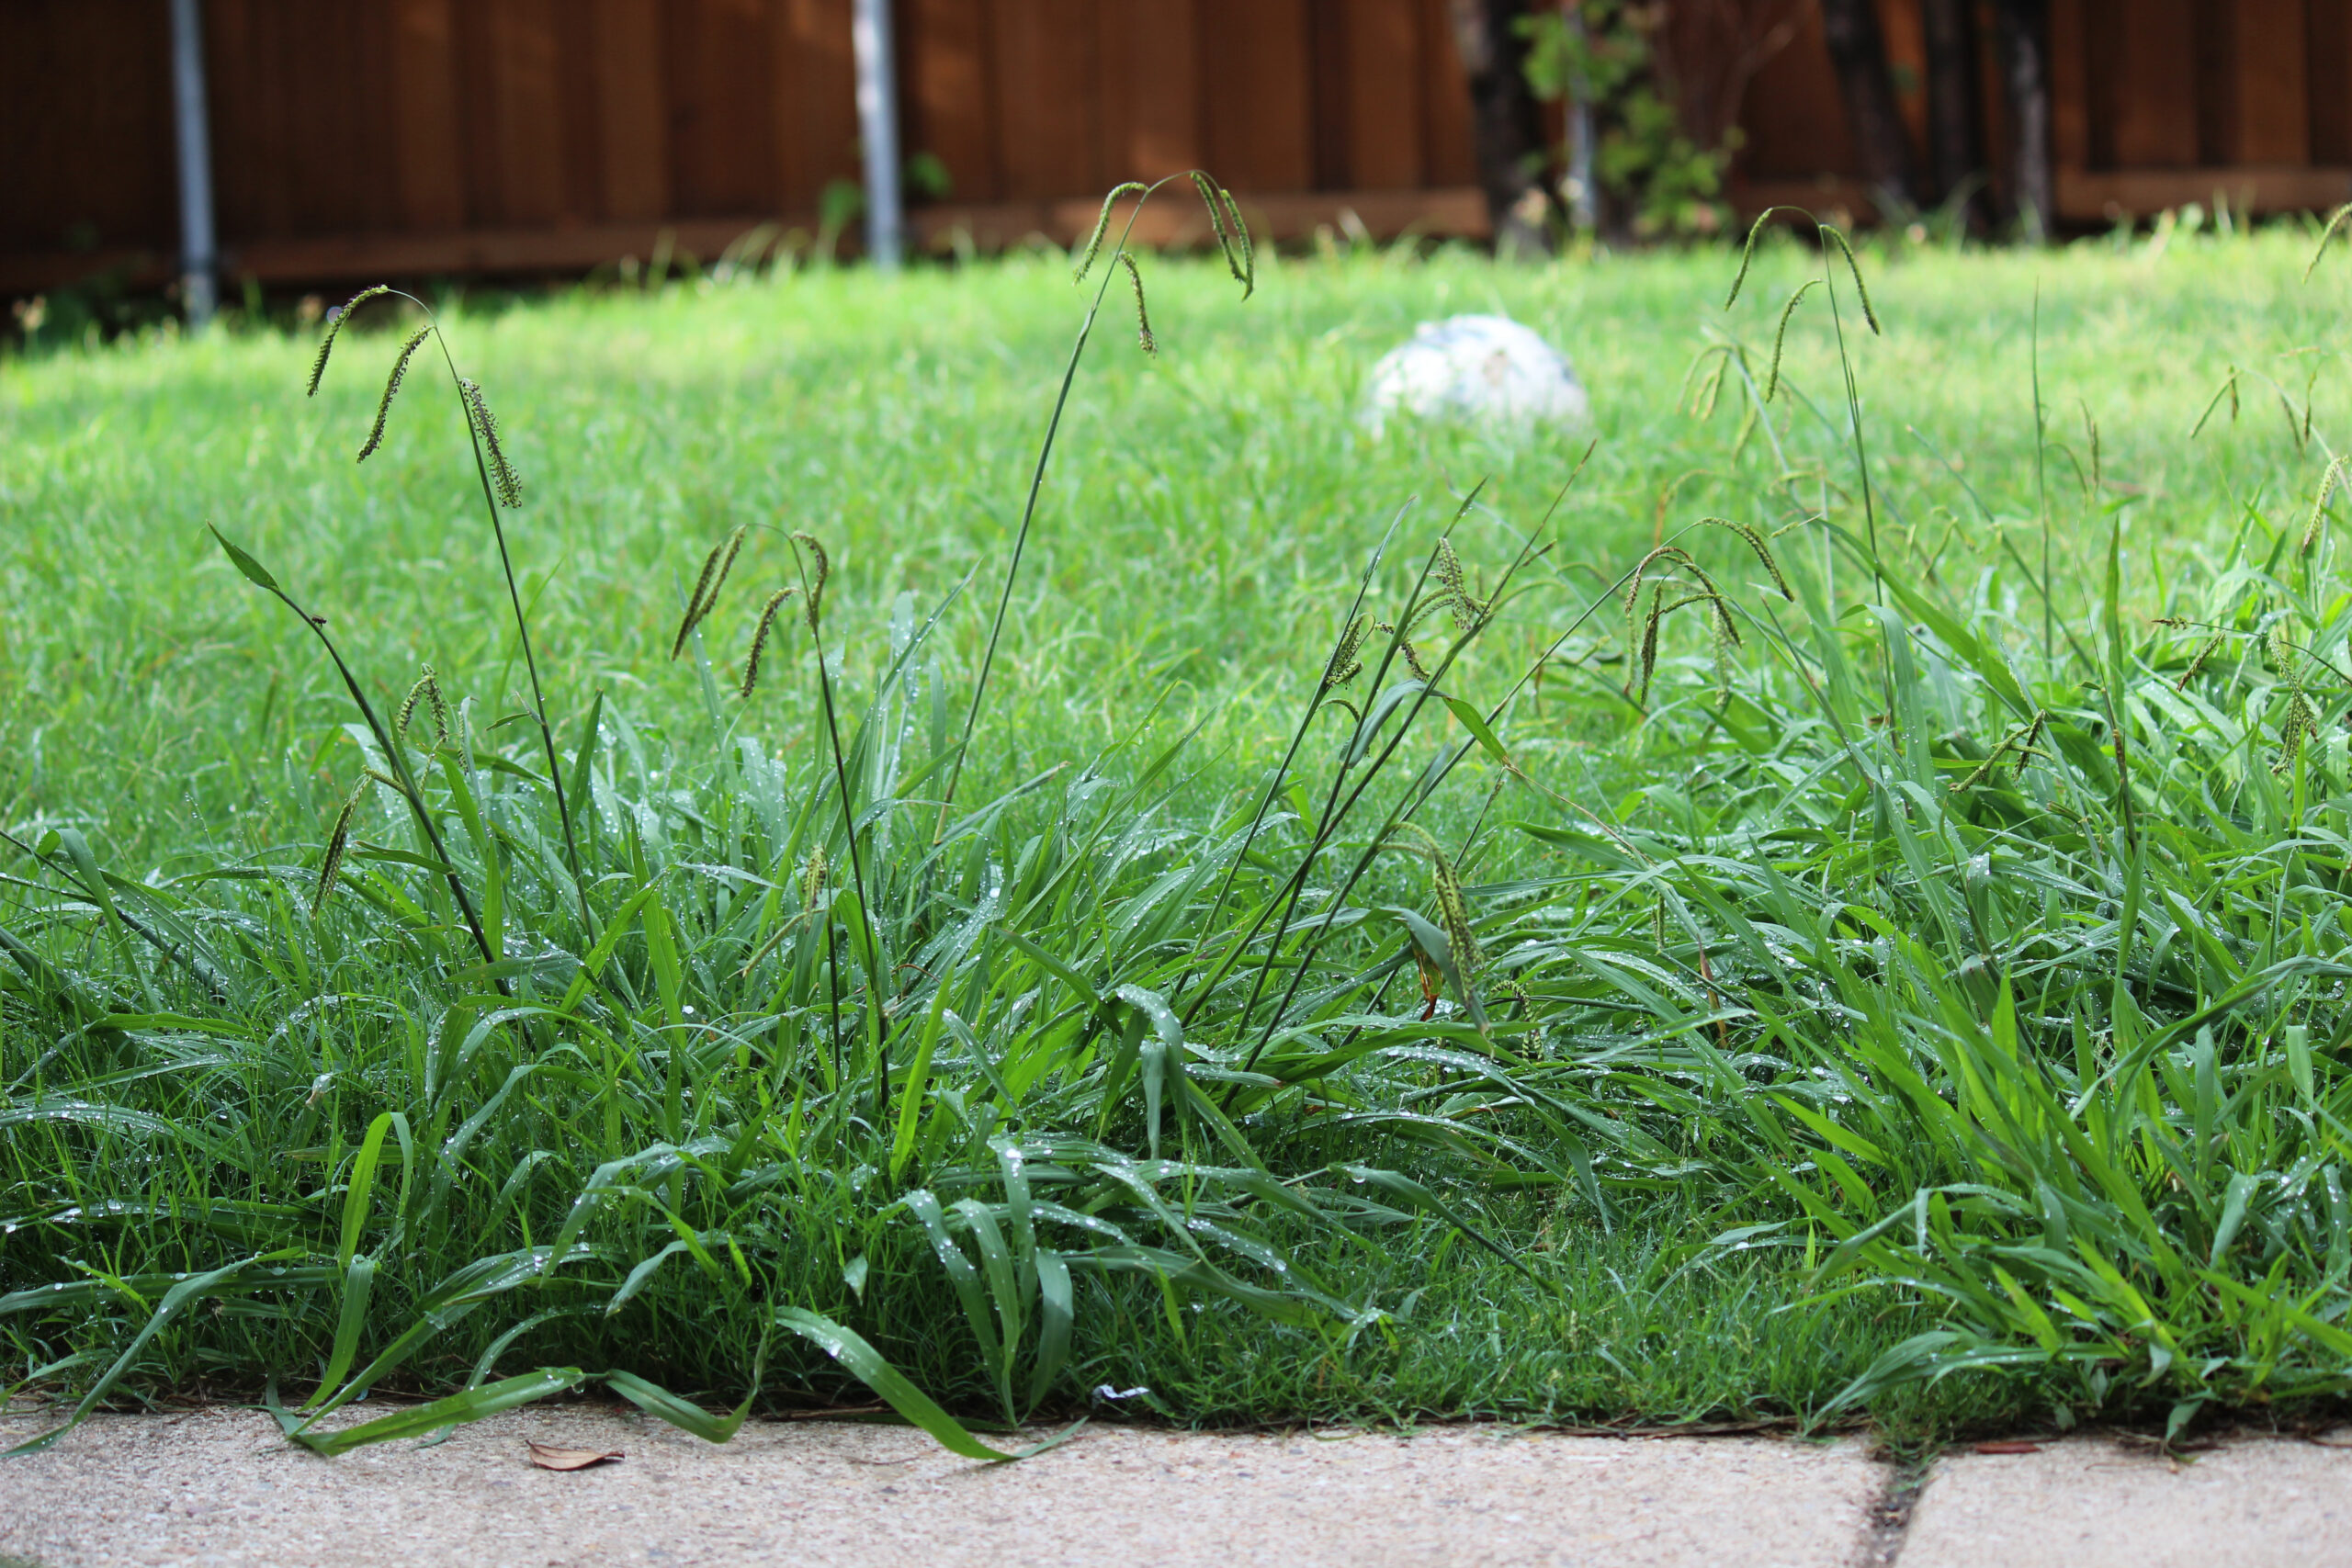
1484 370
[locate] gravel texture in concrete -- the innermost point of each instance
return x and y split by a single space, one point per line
221 1487
2097 1503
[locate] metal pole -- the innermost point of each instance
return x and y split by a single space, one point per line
1584 202
878 120
196 246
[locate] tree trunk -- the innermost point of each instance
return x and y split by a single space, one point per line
1509 129
1858 51
2024 27
1955 150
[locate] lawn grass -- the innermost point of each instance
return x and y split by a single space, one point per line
1831 989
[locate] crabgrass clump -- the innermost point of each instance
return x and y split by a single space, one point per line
1907 1011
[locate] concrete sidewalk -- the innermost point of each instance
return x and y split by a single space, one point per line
219 1487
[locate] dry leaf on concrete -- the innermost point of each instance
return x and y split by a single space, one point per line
548 1457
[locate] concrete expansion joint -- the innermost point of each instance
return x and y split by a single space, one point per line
1890 1518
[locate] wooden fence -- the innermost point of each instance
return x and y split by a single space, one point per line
2155 104
356 137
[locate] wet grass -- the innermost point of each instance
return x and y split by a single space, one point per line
1825 1027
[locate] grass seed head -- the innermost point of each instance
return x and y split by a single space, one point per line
1725 637
760 639
2204 655
336 318
1143 316
1453 913
1645 663
693 611
391 391
2327 484
1754 541
1854 269
2301 724
816 583
2283 655
2335 221
1101 227
1344 664
427 691
331 868
2032 734
1232 234
707 582
1747 251
1241 240
2228 389
502 473
1454 592
1781 337
812 879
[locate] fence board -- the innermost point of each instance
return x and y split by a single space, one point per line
2148 53
1386 93
429 167
2327 70
1449 156
815 103
1151 87
944 74
526 163
1796 127
2273 117
631 132
1047 132
2070 93
1328 149
1259 93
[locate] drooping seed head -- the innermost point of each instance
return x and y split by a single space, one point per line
1453 913
2283 655
2335 221
1747 251
1855 269
391 391
336 318
1232 234
2204 655
427 691
817 582
502 479
760 639
1101 227
330 867
1781 337
2327 484
1646 662
1755 542
693 611
1344 665
2301 725
1143 316
2229 389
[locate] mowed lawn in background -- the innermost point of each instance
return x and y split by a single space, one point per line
1202 529
1201 524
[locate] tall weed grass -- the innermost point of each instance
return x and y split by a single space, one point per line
1971 950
